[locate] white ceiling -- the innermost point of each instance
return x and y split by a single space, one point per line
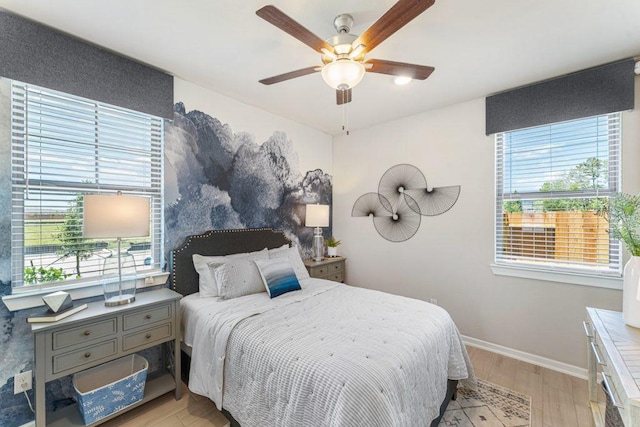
477 47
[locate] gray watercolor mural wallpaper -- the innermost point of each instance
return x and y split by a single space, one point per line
214 179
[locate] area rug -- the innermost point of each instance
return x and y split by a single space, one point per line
488 406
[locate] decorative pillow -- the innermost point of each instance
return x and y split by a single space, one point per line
293 255
278 276
237 278
207 281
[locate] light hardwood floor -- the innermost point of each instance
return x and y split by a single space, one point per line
192 410
557 400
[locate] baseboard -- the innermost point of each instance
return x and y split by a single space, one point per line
554 365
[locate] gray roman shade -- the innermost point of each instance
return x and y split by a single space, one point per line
595 91
36 54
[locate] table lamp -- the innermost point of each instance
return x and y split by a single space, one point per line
317 216
109 216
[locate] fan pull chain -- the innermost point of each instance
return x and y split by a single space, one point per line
345 118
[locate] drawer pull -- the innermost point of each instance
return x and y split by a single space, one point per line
87 333
87 354
609 391
596 353
587 332
148 336
148 316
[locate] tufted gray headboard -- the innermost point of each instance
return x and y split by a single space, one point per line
184 278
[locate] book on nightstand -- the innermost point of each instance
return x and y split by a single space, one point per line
49 316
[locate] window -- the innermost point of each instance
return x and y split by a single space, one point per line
550 182
64 147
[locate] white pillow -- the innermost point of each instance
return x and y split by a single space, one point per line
280 249
207 281
293 254
237 278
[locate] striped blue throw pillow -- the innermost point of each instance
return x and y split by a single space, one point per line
278 276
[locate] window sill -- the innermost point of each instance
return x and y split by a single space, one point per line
611 282
22 299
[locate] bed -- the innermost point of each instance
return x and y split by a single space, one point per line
326 355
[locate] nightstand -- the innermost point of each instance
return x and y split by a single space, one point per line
328 268
99 334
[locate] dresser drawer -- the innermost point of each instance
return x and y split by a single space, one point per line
147 317
83 334
335 267
337 276
147 336
318 271
84 356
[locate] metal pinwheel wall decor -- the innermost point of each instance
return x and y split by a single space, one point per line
402 199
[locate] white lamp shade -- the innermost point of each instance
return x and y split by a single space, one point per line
108 216
317 216
343 73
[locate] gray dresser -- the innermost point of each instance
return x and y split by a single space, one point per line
99 334
614 353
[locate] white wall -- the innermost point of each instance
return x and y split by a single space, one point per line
449 257
313 147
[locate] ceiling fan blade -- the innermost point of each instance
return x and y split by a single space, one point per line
275 16
395 18
417 72
343 96
290 75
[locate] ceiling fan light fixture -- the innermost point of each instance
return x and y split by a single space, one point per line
343 55
343 73
401 80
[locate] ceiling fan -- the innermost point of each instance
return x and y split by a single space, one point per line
343 55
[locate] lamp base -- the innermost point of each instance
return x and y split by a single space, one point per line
317 246
119 300
123 290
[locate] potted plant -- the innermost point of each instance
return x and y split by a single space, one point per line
332 246
623 214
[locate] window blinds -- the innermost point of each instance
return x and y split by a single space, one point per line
63 147
550 181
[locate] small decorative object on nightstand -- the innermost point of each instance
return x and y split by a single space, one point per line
332 246
329 268
58 301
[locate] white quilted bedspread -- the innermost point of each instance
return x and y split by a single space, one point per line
329 355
